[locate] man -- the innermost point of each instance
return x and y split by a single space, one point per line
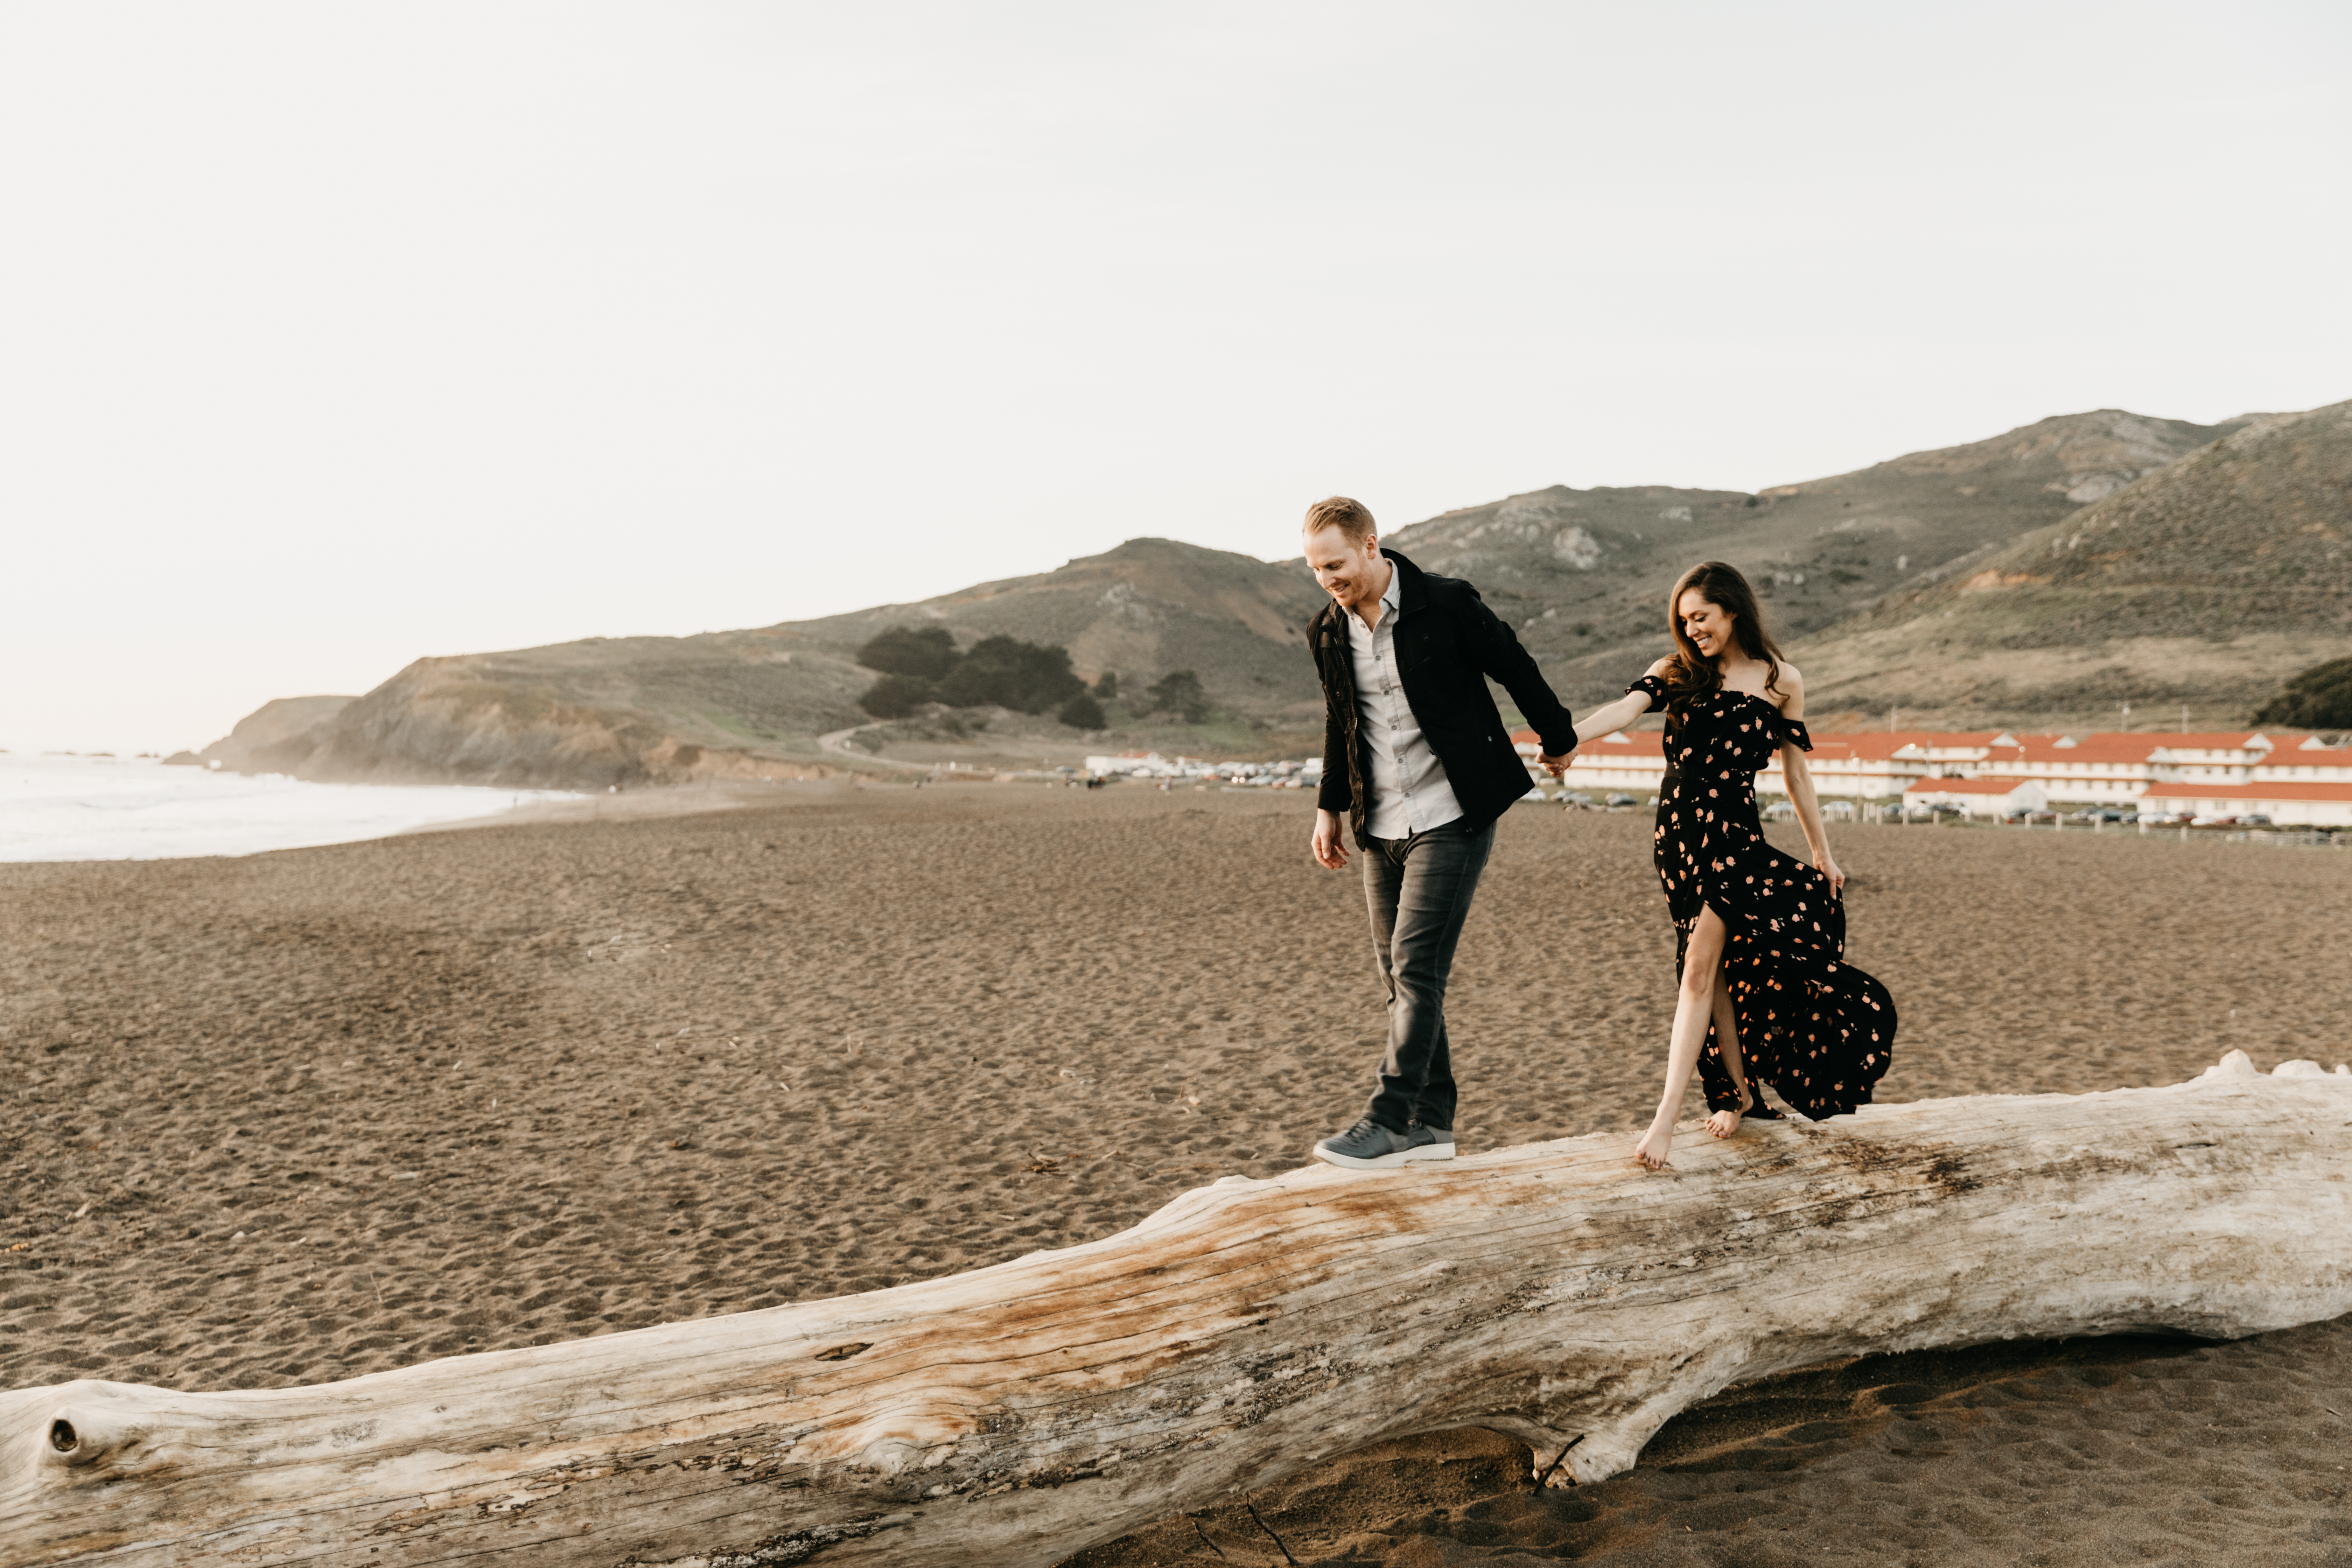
1416 755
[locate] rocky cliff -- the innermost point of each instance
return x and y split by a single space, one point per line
279 737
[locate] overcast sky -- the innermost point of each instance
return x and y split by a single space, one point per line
336 334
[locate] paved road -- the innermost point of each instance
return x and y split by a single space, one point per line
837 743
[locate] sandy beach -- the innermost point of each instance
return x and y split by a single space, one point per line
303 1115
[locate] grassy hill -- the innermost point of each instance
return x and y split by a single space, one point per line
629 711
1584 574
1150 606
2046 571
2206 583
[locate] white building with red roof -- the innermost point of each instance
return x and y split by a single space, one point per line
2286 804
2100 769
2313 760
1981 797
2301 783
1876 765
2225 758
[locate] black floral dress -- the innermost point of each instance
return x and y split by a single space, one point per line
1813 1027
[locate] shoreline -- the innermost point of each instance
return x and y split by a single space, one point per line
646 803
73 810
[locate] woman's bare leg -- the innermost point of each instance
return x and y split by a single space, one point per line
1724 1123
1694 1001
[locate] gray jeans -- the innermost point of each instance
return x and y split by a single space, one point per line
1417 891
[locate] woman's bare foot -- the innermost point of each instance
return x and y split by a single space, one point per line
1724 1123
1652 1150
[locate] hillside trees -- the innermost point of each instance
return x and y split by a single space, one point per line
2318 699
1179 693
1084 711
922 652
898 696
922 665
1010 673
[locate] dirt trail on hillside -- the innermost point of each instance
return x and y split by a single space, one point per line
305 1115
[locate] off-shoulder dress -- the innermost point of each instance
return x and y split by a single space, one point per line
1813 1027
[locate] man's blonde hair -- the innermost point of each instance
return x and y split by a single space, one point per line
1352 518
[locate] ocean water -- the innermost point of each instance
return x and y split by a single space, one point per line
124 808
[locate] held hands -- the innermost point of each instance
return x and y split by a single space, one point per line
1330 852
1557 765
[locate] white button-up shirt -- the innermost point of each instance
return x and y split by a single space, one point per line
1411 793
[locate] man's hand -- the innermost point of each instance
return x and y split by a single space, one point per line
1330 852
1557 765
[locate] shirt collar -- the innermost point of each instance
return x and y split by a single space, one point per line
1395 596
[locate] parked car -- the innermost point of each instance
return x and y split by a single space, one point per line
1614 799
1574 799
2212 821
2255 820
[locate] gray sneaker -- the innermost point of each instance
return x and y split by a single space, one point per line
1369 1146
1365 1146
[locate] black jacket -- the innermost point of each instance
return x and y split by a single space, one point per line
1447 642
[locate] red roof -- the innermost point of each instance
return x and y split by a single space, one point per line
1966 786
2087 750
2289 790
2206 740
1880 746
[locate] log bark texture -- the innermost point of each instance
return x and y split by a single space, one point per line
1250 1329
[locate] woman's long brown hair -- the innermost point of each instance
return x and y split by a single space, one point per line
1690 673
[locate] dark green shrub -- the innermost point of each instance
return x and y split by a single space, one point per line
1010 673
2318 699
1179 693
1106 686
1083 712
896 696
927 653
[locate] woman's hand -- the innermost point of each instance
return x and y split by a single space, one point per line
1827 867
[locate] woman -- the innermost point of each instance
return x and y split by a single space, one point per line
1766 994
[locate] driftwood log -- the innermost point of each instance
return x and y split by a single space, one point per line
1250 1329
